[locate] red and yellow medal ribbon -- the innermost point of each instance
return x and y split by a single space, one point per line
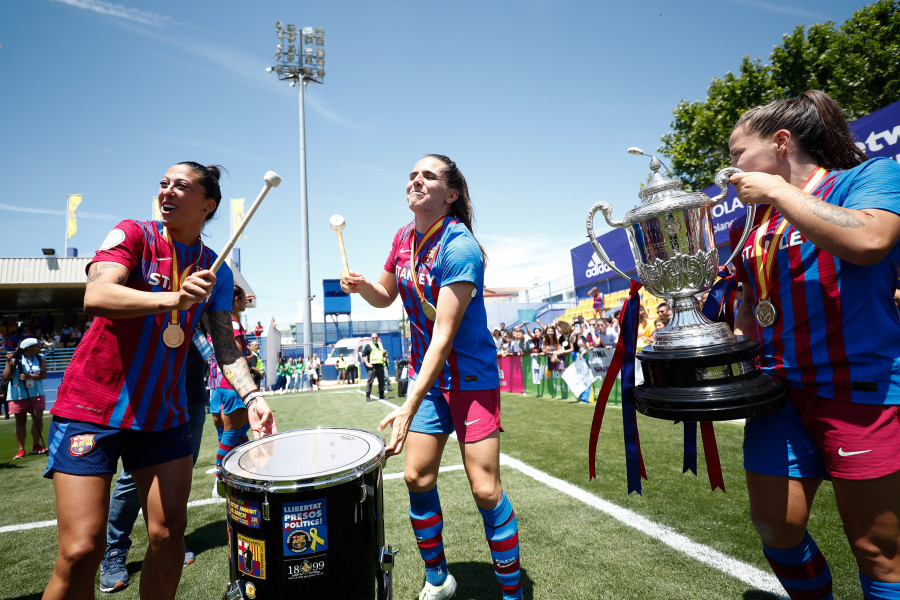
765 257
430 233
178 278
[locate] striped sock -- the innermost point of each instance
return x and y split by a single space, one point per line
428 523
502 533
244 431
802 570
879 590
230 439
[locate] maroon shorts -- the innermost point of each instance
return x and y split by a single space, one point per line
476 413
857 441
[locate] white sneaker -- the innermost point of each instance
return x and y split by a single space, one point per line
439 592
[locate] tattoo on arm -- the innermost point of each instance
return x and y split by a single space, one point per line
830 213
233 364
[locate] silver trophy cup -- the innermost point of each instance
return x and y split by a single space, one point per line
696 369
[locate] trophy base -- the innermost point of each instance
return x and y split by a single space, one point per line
715 383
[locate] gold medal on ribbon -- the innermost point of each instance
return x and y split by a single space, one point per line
428 308
765 313
173 336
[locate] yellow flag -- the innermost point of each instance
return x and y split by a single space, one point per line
157 216
237 214
72 223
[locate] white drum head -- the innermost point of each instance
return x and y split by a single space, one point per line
305 455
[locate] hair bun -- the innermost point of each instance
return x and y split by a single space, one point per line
215 171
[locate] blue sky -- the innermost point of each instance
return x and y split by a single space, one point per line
536 100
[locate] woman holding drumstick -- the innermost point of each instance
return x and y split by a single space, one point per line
437 267
123 394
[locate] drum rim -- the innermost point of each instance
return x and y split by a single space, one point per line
293 483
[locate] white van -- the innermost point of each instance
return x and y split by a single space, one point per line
349 348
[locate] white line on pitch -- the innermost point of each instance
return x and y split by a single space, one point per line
728 565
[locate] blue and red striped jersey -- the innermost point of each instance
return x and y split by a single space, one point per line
122 374
450 256
837 334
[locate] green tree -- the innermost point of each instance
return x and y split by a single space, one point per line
857 64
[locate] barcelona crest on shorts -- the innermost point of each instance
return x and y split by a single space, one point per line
80 445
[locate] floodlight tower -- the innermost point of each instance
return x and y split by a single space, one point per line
301 60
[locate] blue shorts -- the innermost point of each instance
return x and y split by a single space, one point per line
81 448
225 401
779 444
433 415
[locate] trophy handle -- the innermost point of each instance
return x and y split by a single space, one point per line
606 209
722 178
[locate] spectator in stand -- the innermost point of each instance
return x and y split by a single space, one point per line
665 311
281 375
258 330
25 371
67 332
609 333
503 350
645 327
550 341
536 336
498 338
57 339
596 302
312 373
517 342
76 336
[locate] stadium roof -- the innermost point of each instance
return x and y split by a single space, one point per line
56 283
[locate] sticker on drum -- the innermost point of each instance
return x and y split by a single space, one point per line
305 527
251 556
245 512
305 568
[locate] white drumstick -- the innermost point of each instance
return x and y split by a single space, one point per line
272 179
338 223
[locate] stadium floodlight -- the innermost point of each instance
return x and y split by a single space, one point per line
638 152
300 63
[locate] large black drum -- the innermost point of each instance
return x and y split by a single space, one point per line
306 516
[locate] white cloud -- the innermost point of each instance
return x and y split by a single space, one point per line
119 11
59 212
782 8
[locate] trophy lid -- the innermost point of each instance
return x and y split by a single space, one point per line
659 184
663 195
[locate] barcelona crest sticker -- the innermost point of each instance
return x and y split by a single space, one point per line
82 444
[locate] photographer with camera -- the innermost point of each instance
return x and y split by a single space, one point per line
25 371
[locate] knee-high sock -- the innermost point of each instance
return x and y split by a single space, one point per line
428 523
230 439
802 570
244 431
879 590
220 429
502 533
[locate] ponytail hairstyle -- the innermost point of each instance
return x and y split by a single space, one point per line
815 120
461 209
209 179
238 292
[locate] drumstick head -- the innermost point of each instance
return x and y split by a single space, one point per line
337 222
272 178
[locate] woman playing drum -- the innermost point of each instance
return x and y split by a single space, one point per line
123 394
437 267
